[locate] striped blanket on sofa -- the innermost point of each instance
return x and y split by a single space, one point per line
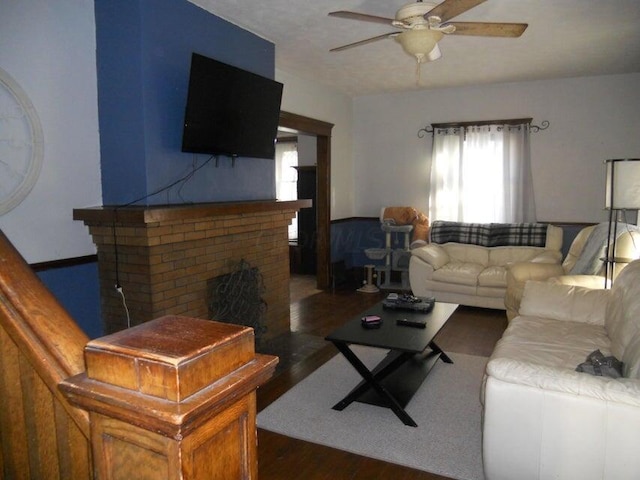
490 234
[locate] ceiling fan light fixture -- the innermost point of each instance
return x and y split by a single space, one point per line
419 42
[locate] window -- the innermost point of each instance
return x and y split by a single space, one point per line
481 173
287 178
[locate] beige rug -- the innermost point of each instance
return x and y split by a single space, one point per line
446 408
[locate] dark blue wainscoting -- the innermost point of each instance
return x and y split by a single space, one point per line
77 288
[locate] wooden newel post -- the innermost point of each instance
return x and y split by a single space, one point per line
173 398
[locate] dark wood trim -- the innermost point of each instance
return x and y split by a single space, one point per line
322 131
299 123
290 139
63 263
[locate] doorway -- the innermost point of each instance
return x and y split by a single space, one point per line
322 131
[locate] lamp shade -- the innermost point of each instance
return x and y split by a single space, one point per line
623 184
419 42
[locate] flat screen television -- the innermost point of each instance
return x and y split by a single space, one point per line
230 111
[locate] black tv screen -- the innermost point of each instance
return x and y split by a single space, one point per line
230 111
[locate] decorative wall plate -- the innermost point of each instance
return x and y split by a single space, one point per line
21 144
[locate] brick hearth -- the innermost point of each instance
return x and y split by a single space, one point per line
166 255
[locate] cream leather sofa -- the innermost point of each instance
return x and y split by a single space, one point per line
471 274
627 246
544 420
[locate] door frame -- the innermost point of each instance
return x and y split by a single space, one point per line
322 130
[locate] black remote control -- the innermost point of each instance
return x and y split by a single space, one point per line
411 323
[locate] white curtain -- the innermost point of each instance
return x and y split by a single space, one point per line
482 174
287 178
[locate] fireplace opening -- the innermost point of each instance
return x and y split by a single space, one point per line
236 297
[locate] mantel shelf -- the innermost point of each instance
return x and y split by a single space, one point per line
160 213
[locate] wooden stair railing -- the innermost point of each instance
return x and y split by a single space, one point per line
173 398
41 434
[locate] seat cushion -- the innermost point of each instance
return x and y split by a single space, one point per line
459 272
551 343
506 255
494 276
460 252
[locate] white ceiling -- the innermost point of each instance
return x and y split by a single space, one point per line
565 38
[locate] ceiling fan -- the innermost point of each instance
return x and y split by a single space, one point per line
423 25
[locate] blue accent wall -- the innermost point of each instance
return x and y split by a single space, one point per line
143 58
77 289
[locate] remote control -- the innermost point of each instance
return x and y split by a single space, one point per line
411 323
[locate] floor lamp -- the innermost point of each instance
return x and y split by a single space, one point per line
622 193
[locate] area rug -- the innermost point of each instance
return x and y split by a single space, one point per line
446 408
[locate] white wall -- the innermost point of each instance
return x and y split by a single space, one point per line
307 147
48 48
313 100
377 158
591 119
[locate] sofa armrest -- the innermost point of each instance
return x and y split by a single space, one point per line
518 274
433 254
564 302
523 271
563 380
547 256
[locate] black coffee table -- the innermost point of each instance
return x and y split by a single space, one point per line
412 354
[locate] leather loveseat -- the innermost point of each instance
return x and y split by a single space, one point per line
466 263
627 247
542 419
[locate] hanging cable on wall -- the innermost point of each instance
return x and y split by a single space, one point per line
182 180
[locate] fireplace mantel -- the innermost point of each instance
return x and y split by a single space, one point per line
164 256
162 213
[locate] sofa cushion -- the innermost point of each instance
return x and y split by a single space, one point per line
564 302
462 253
507 255
565 381
493 276
463 273
552 343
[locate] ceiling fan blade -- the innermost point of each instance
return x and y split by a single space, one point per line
487 29
361 16
452 8
364 42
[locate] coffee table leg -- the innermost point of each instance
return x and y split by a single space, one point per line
443 356
372 381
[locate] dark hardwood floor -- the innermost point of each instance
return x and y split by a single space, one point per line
314 314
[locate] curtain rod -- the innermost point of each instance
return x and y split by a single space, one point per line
512 121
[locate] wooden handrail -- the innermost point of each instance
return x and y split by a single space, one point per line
40 346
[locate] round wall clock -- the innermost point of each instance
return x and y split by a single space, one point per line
21 144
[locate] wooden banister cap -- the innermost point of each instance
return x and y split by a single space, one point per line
171 357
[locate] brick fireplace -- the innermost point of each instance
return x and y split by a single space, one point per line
164 256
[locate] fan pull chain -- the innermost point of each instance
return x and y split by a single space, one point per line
418 71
